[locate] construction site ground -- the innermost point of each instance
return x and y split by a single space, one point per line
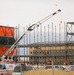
48 72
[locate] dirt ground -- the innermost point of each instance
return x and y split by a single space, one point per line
48 72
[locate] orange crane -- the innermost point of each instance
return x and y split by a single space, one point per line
30 28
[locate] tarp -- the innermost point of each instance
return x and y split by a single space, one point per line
4 49
7 31
6 40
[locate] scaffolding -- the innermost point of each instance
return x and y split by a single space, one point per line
69 39
57 38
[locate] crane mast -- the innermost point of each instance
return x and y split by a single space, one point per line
30 28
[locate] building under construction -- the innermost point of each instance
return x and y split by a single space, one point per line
40 45
60 52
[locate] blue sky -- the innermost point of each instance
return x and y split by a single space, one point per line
25 12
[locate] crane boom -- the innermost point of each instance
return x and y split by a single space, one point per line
30 28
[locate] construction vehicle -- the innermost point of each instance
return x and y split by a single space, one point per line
6 69
30 28
7 66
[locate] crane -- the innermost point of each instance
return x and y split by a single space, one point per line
30 28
